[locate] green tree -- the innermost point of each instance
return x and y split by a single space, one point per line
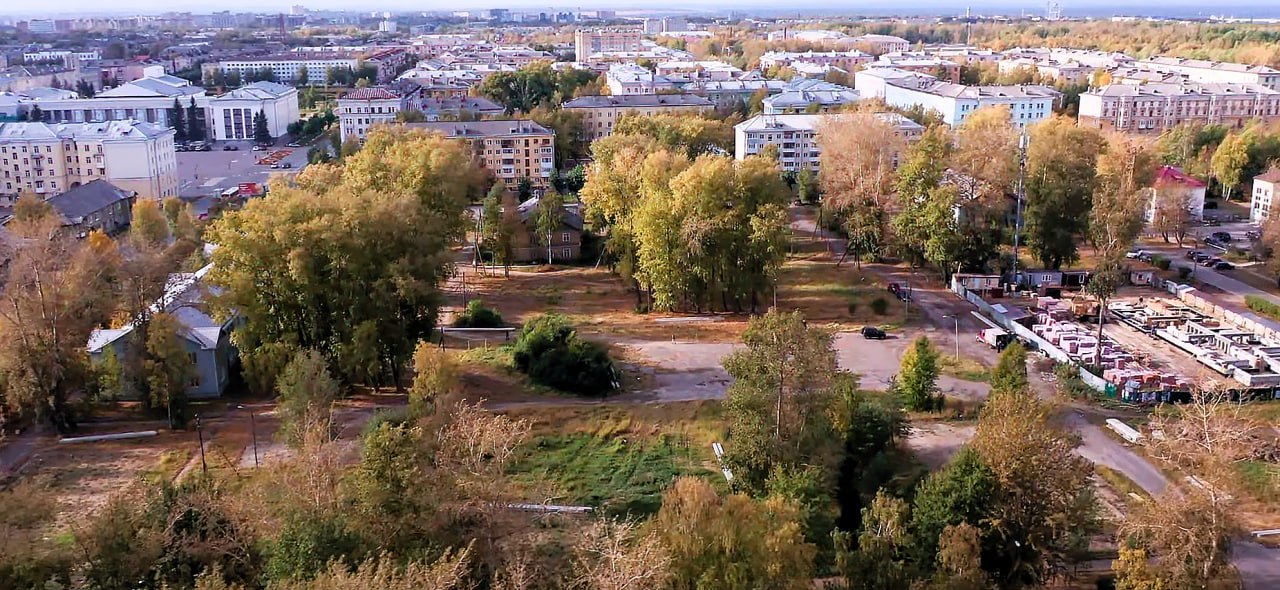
1010 373
195 122
261 133
307 392
177 120
879 560
1107 278
548 219
1060 182
963 492
168 366
806 187
1229 161
917 379
522 90
694 134
497 229
778 401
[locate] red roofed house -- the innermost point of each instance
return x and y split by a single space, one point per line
1183 186
1264 193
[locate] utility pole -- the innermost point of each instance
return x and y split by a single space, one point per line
1023 140
204 467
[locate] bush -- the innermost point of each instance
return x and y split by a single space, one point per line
476 315
1262 306
550 352
880 306
1184 272
1163 263
853 307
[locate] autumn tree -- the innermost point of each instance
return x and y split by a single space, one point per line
352 271
620 555
1060 184
1044 509
859 154
693 134
724 542
547 219
879 562
1171 211
1010 372
778 401
1126 170
1229 161
435 379
168 367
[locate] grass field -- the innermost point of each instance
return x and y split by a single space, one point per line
616 458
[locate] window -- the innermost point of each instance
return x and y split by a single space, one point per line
564 238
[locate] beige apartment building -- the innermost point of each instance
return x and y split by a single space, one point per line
589 41
601 113
511 150
51 158
1152 108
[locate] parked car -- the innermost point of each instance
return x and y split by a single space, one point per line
1221 236
229 148
1147 257
1253 234
259 148
1134 253
294 144
177 147
1211 222
873 333
286 165
1200 257
1211 262
1223 265
275 164
1192 254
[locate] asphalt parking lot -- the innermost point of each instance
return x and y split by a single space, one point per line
203 175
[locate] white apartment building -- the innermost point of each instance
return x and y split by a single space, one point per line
230 115
796 136
845 60
1215 72
288 67
1264 195
628 79
591 41
362 108
871 82
882 44
1028 104
689 71
49 159
1152 108
601 113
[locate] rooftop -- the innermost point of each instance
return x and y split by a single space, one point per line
1166 89
1209 65
79 202
107 130
483 128
637 100
1272 176
1173 175
808 122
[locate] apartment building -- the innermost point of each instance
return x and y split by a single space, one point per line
802 95
920 62
362 108
1152 108
1172 181
600 113
51 158
590 41
796 136
731 93
871 82
290 67
1215 72
1264 195
684 71
845 60
510 149
629 79
1028 103
882 44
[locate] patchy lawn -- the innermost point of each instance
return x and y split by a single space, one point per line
842 295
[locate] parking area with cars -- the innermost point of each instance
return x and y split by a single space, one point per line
205 174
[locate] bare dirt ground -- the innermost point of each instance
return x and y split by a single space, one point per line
934 443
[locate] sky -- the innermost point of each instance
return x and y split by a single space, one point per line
1098 8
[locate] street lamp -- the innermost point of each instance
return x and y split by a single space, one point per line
253 428
957 341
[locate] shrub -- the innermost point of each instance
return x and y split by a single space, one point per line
1262 306
853 307
880 306
476 315
1184 272
551 353
1163 263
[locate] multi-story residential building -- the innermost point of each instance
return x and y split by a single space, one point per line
796 137
882 44
1264 195
290 67
803 95
628 79
1152 108
731 93
600 113
510 149
872 81
51 158
230 115
818 36
96 206
1028 103
152 97
362 108
845 60
682 72
923 63
1214 72
591 41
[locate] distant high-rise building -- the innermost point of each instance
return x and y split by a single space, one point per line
1054 10
652 26
589 41
501 15
297 9
42 26
673 24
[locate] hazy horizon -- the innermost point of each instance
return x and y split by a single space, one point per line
1086 8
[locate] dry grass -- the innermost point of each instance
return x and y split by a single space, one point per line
828 294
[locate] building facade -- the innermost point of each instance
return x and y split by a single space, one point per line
230 115
796 136
509 149
1264 195
51 158
1028 104
589 41
1152 108
600 113
1214 72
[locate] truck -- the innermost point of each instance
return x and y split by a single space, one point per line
996 338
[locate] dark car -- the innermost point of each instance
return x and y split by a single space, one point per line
230 148
1200 257
1211 262
1223 265
286 165
1253 234
1192 254
873 333
1221 236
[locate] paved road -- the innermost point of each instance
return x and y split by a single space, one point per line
1097 446
1259 566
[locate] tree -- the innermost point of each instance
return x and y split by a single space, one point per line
960 560
1010 373
859 154
50 301
177 120
985 156
303 77
693 133
521 90
728 542
351 267
620 556
570 143
917 379
1125 171
1171 211
410 116
550 351
497 232
877 563
307 393
806 187
1043 510
195 122
962 493
435 379
778 400
168 367
1229 161
1103 283
1060 183
261 133
548 218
